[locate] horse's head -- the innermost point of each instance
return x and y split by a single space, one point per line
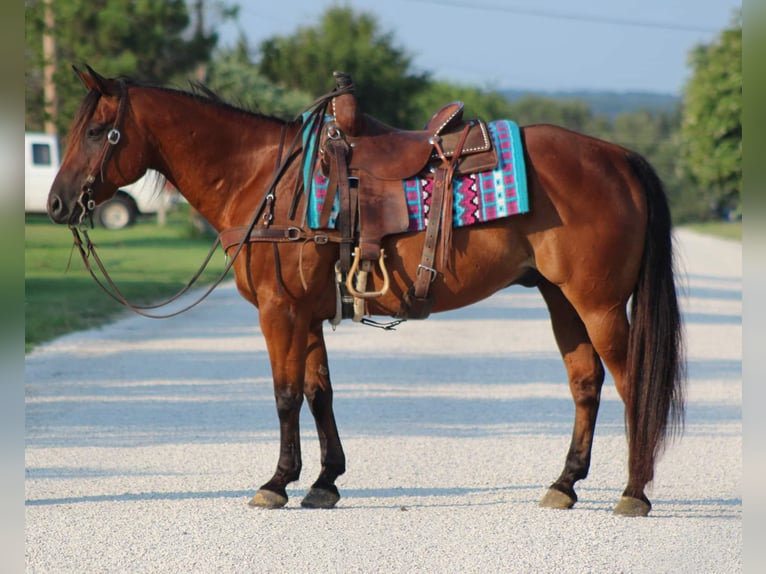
102 152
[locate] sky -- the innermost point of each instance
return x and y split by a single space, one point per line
616 45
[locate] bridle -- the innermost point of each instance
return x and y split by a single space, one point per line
248 234
85 200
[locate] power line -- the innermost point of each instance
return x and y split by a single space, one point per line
592 18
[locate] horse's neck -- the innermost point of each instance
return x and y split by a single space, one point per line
220 159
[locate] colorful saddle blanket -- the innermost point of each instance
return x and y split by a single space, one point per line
478 197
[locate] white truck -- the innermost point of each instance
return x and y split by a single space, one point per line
42 159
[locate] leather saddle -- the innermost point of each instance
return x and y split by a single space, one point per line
366 161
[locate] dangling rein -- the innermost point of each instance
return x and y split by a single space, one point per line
88 250
245 234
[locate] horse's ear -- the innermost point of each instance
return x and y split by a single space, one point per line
84 78
93 80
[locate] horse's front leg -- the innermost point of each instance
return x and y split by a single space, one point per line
286 332
318 391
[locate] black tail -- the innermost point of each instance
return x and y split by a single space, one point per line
656 365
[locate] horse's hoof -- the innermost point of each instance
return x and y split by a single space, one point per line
556 499
320 498
267 499
629 506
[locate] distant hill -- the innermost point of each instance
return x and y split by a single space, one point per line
604 103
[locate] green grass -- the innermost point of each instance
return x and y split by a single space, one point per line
146 261
722 229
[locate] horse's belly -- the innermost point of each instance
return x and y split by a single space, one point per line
483 260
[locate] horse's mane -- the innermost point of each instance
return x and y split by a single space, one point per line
198 91
203 93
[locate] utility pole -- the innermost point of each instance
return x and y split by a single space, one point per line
199 10
49 69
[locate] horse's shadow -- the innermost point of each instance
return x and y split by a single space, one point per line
430 497
426 497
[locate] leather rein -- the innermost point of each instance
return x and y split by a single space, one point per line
238 237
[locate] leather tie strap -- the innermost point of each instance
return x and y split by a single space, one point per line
426 272
337 150
439 220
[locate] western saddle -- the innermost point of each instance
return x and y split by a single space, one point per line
366 161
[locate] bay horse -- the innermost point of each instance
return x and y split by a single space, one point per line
597 234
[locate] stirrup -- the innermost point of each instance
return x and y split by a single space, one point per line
355 268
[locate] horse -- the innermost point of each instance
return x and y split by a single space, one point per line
596 242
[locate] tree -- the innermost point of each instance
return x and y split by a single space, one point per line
235 78
711 128
488 105
351 43
572 114
152 41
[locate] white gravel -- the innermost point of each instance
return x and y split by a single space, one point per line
145 439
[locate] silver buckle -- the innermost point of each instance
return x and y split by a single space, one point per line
333 132
431 270
113 136
293 233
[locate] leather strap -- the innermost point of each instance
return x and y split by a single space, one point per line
426 272
439 220
234 236
337 150
86 199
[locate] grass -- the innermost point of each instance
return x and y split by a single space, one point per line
146 261
722 229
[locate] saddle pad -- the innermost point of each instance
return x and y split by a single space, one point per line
478 197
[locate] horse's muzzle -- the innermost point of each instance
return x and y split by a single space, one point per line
58 211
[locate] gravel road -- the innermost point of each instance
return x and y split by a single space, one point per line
145 439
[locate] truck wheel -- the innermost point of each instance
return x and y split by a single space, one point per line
116 213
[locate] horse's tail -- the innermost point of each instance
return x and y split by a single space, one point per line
656 368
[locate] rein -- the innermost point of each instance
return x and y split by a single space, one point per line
246 234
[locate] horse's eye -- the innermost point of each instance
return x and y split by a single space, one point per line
95 132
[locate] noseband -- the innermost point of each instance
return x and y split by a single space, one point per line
85 200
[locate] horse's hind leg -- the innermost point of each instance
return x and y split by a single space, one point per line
318 392
608 328
586 376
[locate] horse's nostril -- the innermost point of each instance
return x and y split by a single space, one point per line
56 209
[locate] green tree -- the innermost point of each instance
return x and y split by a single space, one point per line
234 77
655 135
572 114
488 105
153 41
353 43
711 128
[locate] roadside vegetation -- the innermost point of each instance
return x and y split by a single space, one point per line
147 262
722 229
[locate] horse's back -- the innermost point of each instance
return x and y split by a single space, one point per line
565 161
